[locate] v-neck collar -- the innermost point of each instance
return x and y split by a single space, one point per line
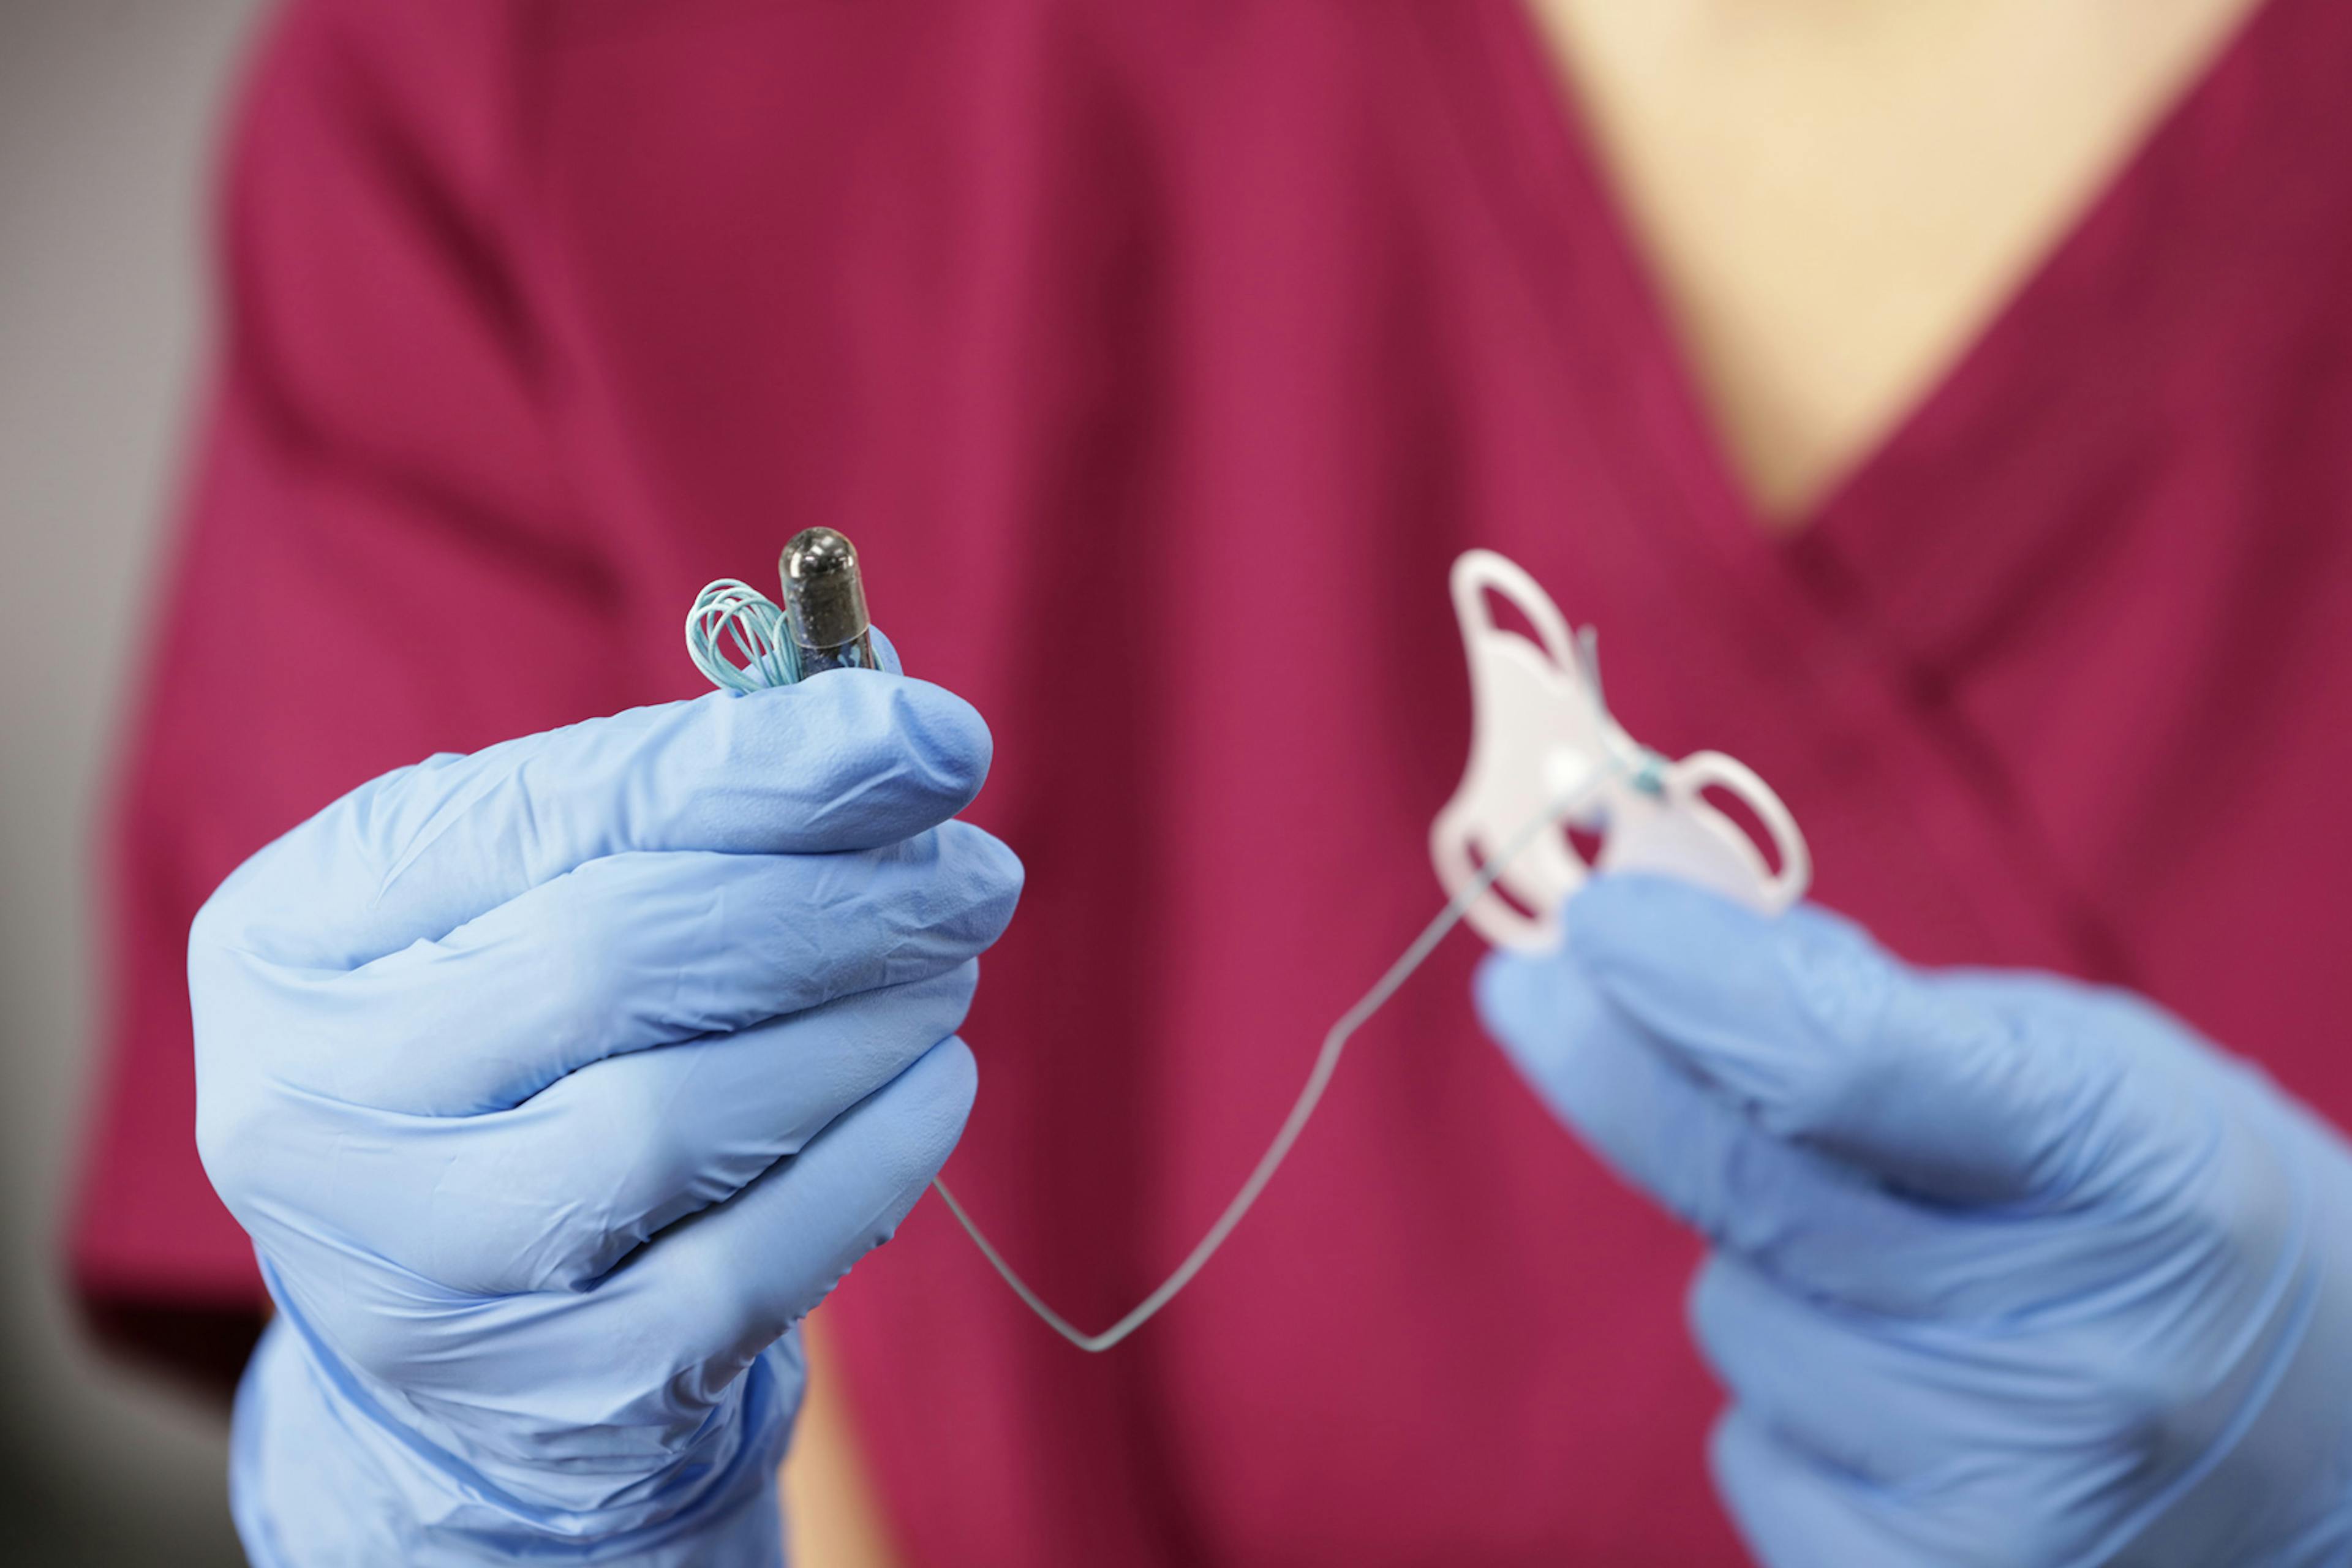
1939 525
1981 503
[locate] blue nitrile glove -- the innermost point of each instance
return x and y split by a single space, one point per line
2007 1270
470 1036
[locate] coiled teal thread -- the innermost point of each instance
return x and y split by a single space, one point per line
755 625
728 612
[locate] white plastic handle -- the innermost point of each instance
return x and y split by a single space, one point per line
1456 846
1701 769
1679 833
1478 572
1533 713
1537 728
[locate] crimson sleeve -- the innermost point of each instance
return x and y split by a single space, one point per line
377 558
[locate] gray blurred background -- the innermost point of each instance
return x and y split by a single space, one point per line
108 114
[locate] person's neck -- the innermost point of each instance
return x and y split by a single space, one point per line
1837 194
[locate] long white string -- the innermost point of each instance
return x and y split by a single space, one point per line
1319 1079
748 610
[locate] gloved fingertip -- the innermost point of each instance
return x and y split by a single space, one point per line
958 1072
1006 877
1003 865
886 652
949 736
1536 1007
936 1095
1503 989
1839 978
1636 931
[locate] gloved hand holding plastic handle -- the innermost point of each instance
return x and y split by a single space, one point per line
2006 1270
555 1083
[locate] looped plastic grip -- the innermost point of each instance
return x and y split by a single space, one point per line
1681 834
1542 740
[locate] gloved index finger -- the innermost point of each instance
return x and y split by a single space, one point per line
850 760
1828 1039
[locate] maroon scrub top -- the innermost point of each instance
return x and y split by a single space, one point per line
1159 359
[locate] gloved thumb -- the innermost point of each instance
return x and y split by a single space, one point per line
1828 1041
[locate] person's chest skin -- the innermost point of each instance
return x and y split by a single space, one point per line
1835 196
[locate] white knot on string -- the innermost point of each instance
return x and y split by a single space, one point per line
731 613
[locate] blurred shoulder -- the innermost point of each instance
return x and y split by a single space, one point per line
434 84
476 71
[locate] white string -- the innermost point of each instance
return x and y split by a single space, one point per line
756 626
1319 1079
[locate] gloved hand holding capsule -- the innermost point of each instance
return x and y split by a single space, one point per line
555 1083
